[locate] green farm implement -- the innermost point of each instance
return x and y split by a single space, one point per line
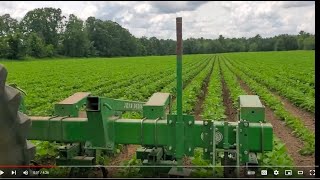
165 137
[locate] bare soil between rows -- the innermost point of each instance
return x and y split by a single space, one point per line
128 152
307 117
292 143
230 112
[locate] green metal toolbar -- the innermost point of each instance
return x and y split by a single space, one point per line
103 128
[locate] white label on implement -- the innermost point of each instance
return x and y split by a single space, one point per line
132 106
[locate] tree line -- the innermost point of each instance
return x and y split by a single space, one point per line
45 32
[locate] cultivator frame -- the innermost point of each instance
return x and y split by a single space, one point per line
165 137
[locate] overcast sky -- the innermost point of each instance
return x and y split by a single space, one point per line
200 18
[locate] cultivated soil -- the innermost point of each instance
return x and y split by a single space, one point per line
204 91
127 153
230 112
307 117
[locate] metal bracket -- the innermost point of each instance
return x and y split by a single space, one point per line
155 133
141 133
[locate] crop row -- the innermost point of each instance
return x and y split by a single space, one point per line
213 104
156 82
304 99
187 76
140 87
295 65
298 77
193 90
274 75
275 104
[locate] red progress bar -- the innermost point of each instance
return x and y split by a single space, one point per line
21 166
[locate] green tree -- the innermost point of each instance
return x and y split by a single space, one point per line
280 45
35 46
99 36
309 43
253 47
4 48
8 25
76 42
46 22
16 46
301 37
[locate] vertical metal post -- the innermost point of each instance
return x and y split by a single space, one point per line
214 148
179 68
179 123
238 150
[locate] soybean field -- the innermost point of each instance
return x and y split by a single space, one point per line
284 81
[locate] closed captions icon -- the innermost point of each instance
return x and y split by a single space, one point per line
264 172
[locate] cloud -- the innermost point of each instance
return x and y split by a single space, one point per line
200 18
292 4
176 6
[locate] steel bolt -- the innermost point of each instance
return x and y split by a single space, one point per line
246 124
245 152
189 149
190 122
170 121
170 147
205 123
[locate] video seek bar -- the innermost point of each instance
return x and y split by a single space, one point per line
43 171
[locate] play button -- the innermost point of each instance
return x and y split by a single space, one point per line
1 172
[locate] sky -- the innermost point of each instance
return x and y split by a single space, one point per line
207 19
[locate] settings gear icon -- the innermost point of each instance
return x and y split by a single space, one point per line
276 172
